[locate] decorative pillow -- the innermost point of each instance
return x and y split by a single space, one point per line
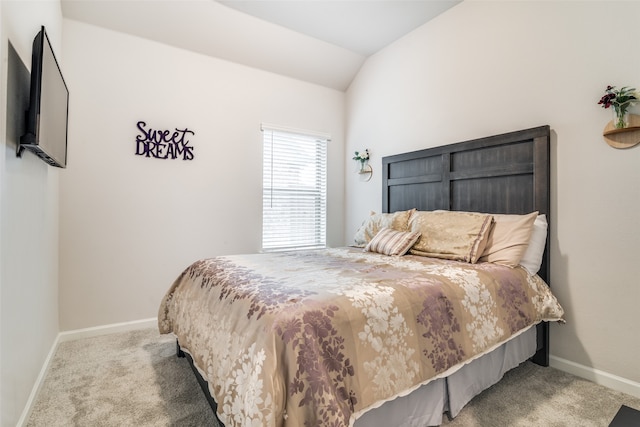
371 226
459 236
392 242
508 239
532 258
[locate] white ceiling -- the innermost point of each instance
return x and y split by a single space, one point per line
319 41
362 26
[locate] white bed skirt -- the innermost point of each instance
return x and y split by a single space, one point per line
426 405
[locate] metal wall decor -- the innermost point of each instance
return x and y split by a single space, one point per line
164 144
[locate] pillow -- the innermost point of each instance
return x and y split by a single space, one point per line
459 236
392 242
532 258
371 226
508 239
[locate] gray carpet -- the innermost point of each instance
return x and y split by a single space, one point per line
124 379
135 379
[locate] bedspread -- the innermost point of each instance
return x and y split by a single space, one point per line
316 338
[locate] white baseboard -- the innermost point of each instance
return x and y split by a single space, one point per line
107 329
76 335
597 376
24 417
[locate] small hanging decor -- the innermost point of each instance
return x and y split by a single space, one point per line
363 158
623 131
365 170
164 144
620 100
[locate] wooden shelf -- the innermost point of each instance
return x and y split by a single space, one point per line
366 173
625 137
623 130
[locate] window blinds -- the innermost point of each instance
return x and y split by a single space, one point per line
294 190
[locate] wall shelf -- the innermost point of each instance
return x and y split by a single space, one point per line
366 173
625 137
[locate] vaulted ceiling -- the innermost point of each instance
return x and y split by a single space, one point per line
320 41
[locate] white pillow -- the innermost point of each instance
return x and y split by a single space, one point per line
532 258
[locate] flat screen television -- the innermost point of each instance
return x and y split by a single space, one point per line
47 116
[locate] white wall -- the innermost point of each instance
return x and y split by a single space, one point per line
489 67
28 226
130 224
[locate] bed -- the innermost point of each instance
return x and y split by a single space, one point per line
366 337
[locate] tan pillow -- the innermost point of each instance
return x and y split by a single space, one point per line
508 239
371 226
459 236
392 242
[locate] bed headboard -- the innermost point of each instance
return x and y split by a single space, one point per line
506 173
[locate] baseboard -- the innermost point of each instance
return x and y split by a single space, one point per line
107 329
75 335
24 417
597 376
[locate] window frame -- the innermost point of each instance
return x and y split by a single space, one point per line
297 186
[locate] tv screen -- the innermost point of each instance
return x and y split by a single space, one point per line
47 117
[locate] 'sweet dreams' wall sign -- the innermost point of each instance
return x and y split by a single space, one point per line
164 144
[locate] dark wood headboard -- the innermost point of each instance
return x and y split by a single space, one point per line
508 173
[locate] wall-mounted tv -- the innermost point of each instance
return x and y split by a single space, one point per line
47 118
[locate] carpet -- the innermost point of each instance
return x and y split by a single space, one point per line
123 379
135 379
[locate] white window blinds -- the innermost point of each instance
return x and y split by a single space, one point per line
294 190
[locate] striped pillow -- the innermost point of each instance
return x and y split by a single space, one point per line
392 242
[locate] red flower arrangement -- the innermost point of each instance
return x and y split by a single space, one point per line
620 100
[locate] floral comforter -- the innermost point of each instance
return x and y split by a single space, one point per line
315 338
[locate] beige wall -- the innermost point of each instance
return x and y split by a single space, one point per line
28 225
489 67
130 224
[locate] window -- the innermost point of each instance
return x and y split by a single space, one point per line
294 190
